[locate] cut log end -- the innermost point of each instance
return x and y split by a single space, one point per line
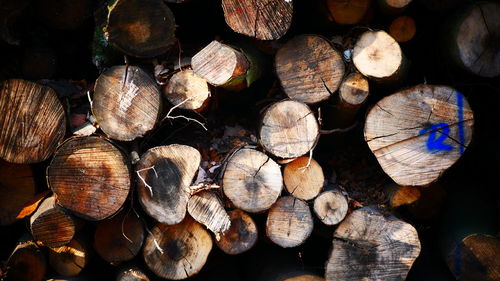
289 222
289 129
132 274
164 175
476 258
379 247
354 91
303 178
401 195
127 102
403 29
206 208
119 238
186 90
69 260
331 207
477 39
32 121
241 236
309 68
261 19
395 4
85 173
348 12
178 251
252 180
418 133
26 263
51 225
141 28
377 55
219 63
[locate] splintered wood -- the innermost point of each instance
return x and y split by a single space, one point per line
418 133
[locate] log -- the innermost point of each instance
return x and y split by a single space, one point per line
132 274
348 12
398 195
17 187
303 178
261 19
26 263
51 224
288 129
32 121
127 102
69 260
289 222
222 65
63 14
475 39
164 176
309 68
140 28
393 6
85 173
476 258
418 133
403 29
378 247
241 236
187 90
206 208
353 94
119 238
304 277
178 251
379 57
252 180
330 207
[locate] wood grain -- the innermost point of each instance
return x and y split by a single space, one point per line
241 236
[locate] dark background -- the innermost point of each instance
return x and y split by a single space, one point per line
471 184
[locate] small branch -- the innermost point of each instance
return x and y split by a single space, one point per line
181 116
144 181
308 161
342 130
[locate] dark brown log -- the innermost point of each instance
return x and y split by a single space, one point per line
418 133
309 68
132 274
476 258
127 102
303 178
69 260
17 187
64 14
51 224
475 39
86 173
331 207
241 236
348 11
178 251
206 208
379 57
220 64
289 222
141 28
252 180
288 129
261 19
32 121
164 176
403 29
119 238
26 263
398 195
187 90
376 246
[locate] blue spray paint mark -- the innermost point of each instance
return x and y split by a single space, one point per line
437 144
461 131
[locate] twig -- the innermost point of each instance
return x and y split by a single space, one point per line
308 161
342 130
88 96
181 116
144 181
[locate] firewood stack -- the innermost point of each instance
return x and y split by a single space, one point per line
248 140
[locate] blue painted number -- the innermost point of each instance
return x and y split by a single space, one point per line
437 144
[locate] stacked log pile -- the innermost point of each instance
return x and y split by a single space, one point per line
248 140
